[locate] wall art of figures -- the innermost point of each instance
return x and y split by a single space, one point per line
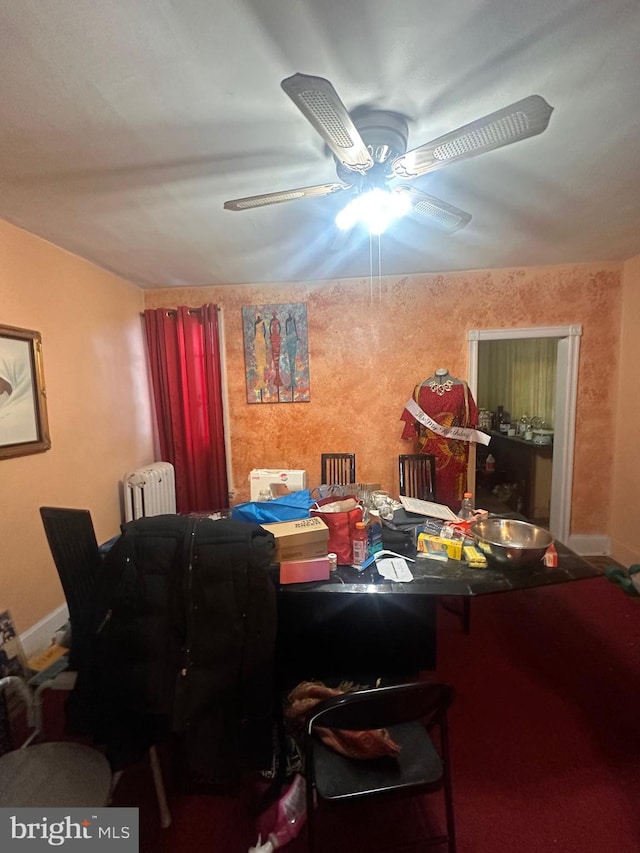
276 353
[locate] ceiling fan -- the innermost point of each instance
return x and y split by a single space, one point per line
370 150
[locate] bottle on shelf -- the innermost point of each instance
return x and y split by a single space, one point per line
490 463
466 507
523 423
360 543
485 420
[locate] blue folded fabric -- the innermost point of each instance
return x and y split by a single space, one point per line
286 508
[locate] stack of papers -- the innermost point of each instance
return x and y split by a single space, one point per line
428 508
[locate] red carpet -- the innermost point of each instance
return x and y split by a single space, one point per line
546 755
544 739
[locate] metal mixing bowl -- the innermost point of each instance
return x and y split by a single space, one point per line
509 541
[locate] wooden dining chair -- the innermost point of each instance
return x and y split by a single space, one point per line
337 469
417 476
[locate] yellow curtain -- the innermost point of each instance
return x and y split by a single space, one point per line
519 375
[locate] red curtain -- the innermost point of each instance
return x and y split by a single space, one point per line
184 357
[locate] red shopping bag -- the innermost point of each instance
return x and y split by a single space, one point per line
341 527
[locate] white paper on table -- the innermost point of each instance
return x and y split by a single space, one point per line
394 569
428 508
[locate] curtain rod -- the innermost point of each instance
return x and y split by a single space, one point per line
172 311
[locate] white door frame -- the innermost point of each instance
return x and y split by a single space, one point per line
565 410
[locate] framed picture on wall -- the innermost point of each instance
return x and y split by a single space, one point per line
24 427
276 353
12 659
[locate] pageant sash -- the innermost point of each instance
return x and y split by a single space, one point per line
457 433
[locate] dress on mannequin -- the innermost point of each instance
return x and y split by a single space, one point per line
448 401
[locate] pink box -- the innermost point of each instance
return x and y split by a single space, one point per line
300 571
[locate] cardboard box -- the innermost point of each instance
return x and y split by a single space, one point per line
453 546
435 550
303 539
260 480
301 571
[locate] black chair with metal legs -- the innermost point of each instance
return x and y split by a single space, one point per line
415 716
76 554
337 469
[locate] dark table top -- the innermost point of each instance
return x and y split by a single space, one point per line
453 577
432 577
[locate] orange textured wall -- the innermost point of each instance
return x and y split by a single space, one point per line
98 402
371 343
625 536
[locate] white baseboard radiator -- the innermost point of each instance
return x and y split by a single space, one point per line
150 491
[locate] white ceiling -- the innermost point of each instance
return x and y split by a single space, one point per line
126 124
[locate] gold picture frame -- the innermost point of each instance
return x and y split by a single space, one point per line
24 424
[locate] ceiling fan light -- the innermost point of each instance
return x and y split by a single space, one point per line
348 216
377 221
399 204
374 209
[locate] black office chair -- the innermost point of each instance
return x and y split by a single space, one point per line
76 554
411 713
417 476
337 469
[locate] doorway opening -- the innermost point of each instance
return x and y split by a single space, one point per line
568 352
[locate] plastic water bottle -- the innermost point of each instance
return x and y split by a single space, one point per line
466 507
374 534
360 543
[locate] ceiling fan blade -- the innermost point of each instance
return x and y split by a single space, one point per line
319 102
525 118
286 195
447 217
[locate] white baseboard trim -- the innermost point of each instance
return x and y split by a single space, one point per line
591 544
40 635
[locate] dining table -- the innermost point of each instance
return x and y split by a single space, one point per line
360 625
